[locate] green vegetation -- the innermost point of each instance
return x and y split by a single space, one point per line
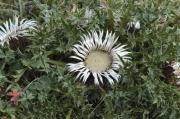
36 66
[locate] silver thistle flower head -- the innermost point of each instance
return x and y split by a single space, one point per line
15 29
98 56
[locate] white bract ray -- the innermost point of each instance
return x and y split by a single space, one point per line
133 25
13 29
176 72
99 57
176 67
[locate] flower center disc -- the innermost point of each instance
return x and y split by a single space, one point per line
98 61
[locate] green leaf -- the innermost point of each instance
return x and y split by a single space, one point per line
68 116
19 74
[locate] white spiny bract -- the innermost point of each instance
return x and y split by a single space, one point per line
134 24
176 72
137 25
99 41
15 29
176 67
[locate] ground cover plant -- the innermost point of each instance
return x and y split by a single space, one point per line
36 83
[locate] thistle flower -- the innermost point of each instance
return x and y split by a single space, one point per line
10 30
99 57
172 69
176 72
133 26
176 67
